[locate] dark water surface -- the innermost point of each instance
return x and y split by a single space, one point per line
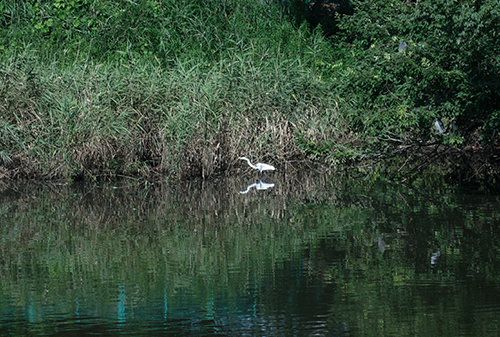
324 256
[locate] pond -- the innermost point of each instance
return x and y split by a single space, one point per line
325 255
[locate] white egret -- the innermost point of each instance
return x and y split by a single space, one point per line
259 166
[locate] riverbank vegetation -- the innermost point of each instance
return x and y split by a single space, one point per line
143 88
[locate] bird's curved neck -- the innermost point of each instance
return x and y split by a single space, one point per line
250 164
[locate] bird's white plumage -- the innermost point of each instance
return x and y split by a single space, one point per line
439 126
259 166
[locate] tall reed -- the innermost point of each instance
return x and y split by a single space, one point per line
139 118
185 98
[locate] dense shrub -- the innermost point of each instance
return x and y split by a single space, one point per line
450 68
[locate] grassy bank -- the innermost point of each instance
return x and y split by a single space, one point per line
184 88
137 117
75 116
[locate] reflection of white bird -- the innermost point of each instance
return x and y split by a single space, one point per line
259 186
435 257
259 166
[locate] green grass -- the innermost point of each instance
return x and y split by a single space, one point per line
138 117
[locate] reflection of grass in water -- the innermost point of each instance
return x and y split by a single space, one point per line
190 237
205 238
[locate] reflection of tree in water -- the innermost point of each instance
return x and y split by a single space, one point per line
309 243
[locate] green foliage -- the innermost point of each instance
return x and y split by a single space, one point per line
449 68
492 126
167 30
315 148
